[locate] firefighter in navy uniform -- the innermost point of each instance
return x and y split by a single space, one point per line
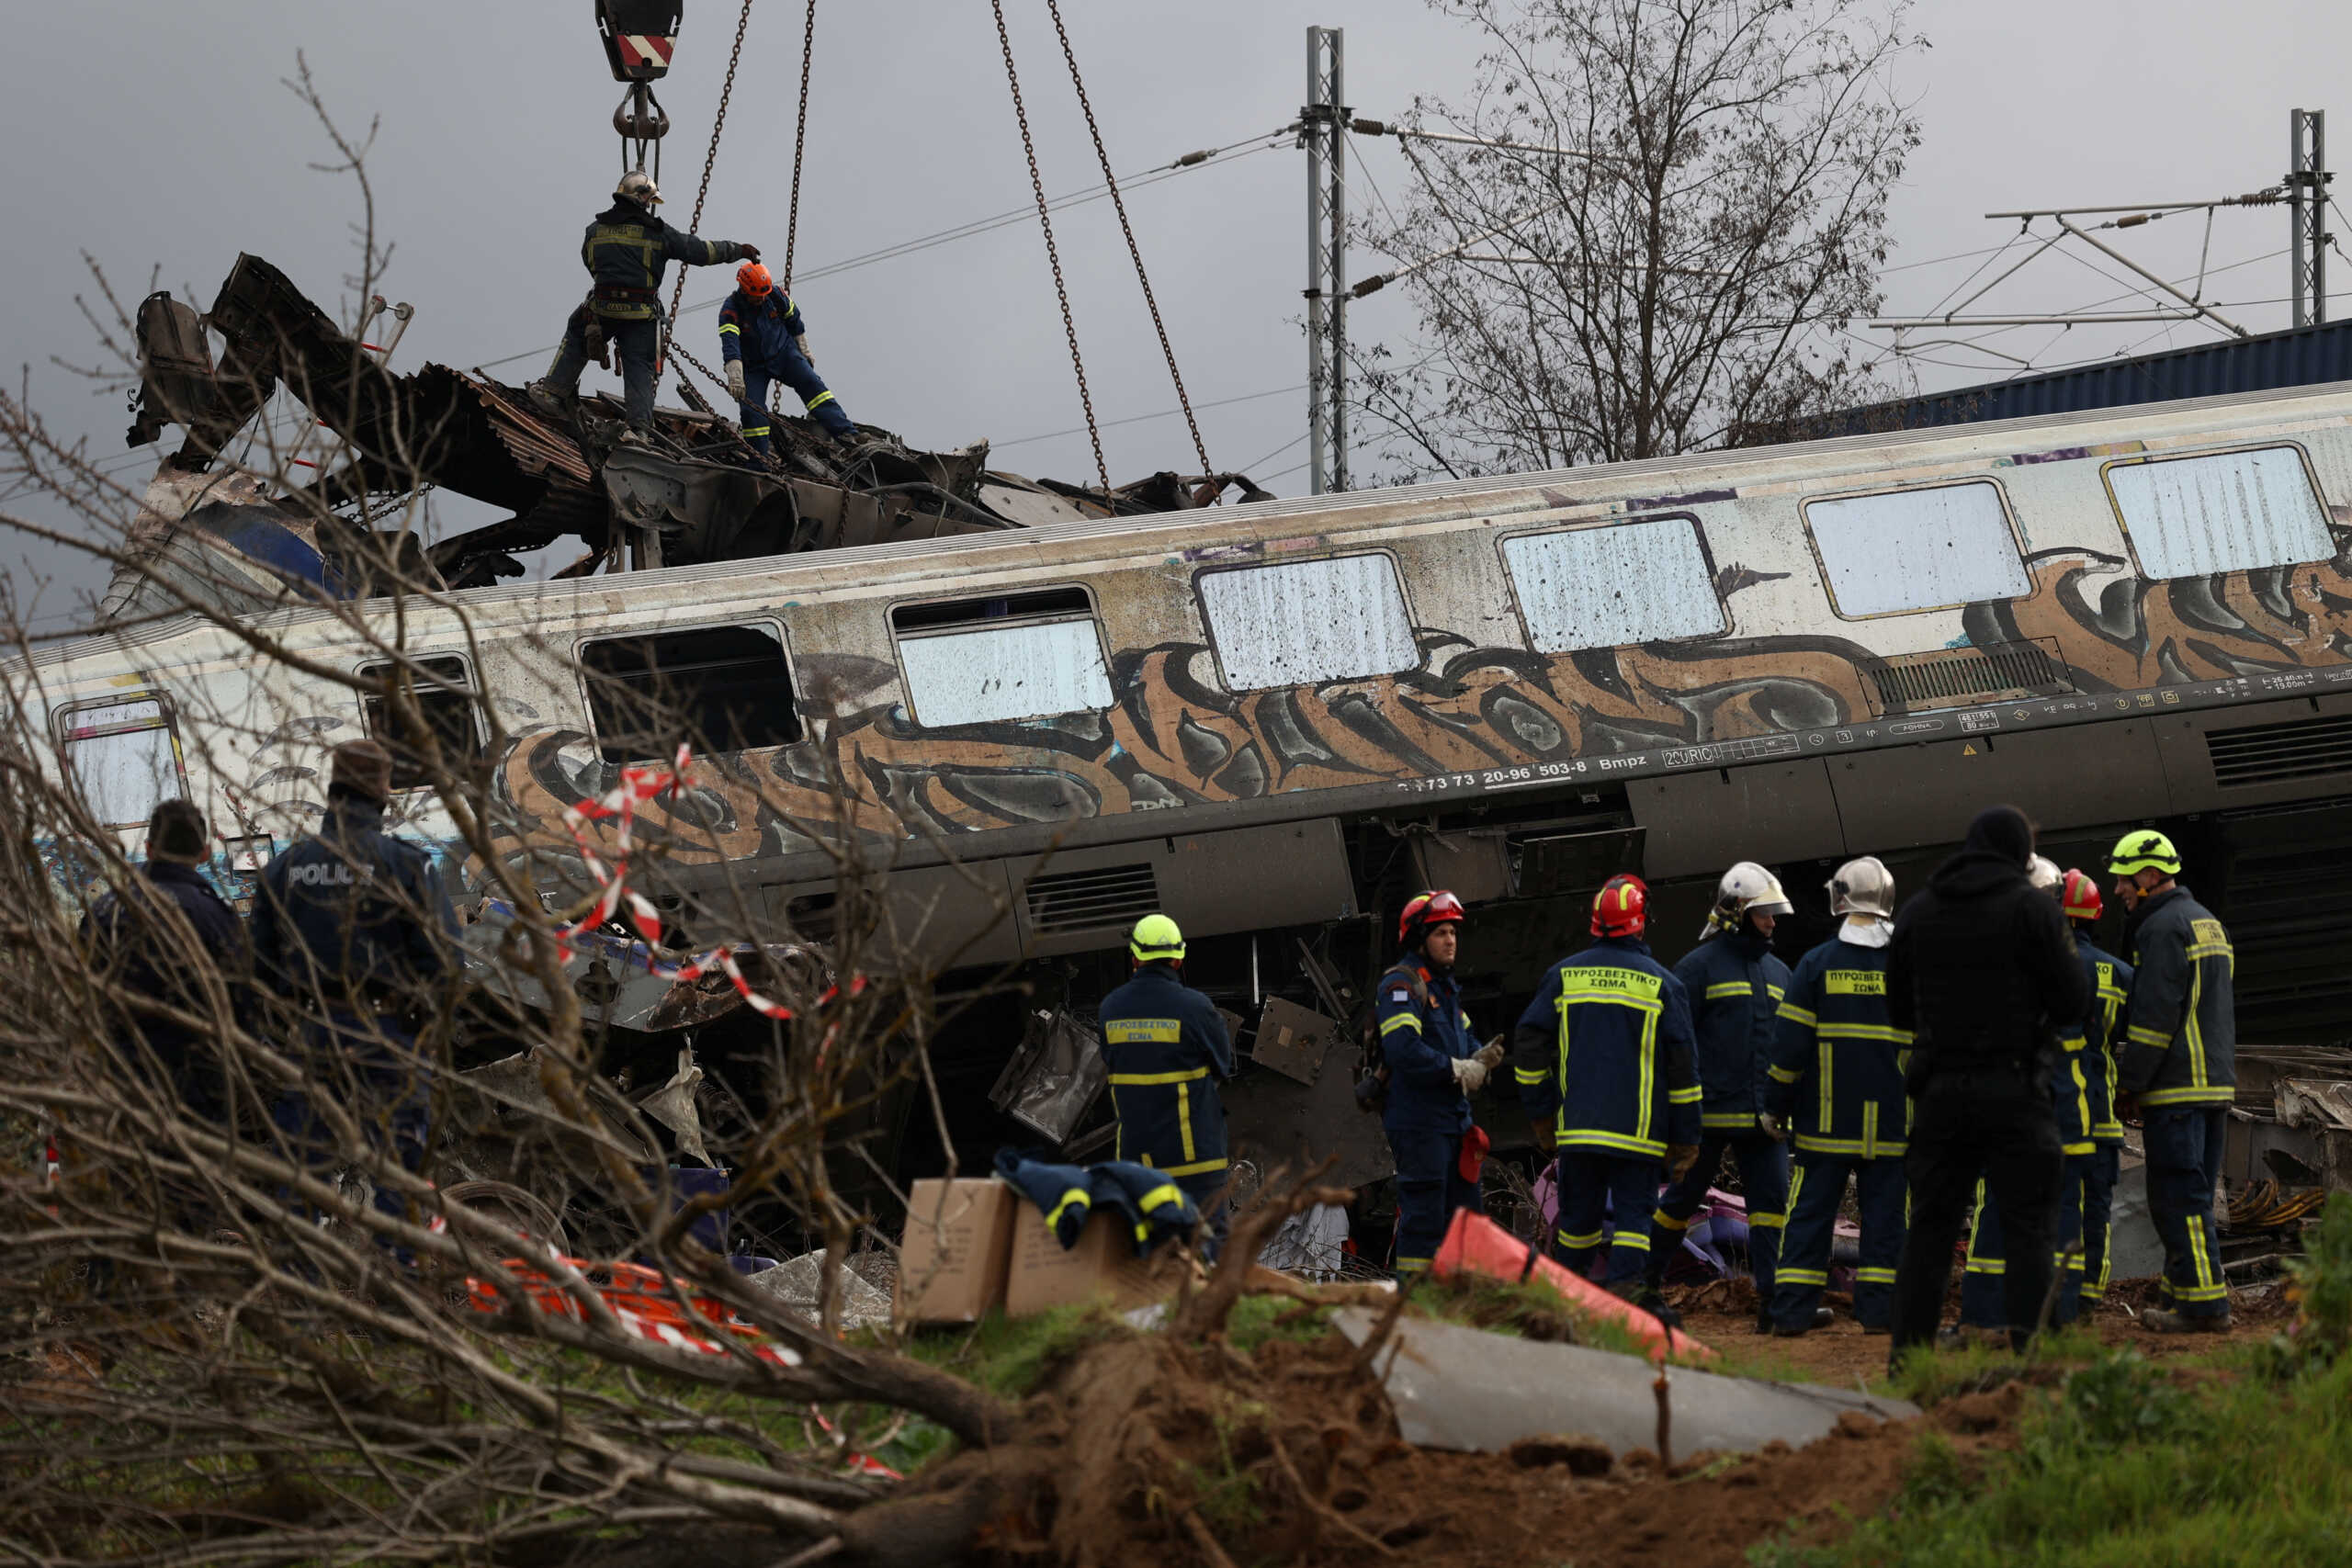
1167 1050
2110 981
1734 984
1837 1086
2072 1096
626 251
762 339
1602 1057
1433 1063
353 929
2178 1070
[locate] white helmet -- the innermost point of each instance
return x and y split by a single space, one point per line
2044 874
1863 887
1746 888
639 186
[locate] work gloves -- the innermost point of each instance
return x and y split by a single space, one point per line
748 251
1470 1072
735 379
1680 1158
1772 1125
1490 1054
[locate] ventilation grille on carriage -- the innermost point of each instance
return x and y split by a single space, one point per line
1089 900
1956 677
2274 753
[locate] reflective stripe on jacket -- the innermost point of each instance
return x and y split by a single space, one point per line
1165 1045
2100 1039
1735 985
759 331
1837 1073
1423 1032
2180 1042
625 250
1603 1052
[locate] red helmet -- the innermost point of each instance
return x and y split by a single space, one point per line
755 280
1622 908
2079 896
1426 909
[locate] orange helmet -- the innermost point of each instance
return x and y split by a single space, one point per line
2079 896
754 279
1622 908
1426 909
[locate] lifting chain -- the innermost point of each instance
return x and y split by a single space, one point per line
1054 9
694 225
800 145
1053 256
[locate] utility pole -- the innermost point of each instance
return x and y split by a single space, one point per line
2307 178
1323 127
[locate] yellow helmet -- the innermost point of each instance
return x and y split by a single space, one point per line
2143 850
1156 940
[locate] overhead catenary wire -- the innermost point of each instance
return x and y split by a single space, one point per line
1053 254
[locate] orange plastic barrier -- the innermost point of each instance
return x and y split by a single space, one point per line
1476 1245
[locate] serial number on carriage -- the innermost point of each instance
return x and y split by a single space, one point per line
1534 772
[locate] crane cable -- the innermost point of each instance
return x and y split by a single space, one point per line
1053 255
799 149
709 158
1054 9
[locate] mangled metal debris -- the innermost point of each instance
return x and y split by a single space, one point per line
697 493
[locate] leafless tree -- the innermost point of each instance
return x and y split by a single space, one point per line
1681 271
223 1348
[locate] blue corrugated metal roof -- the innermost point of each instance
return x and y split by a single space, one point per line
2301 357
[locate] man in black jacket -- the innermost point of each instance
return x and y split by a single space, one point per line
156 940
1981 971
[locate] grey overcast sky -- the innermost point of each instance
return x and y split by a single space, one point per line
155 136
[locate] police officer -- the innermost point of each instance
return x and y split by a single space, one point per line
1836 1083
170 941
1979 970
2110 982
762 339
1167 1049
2072 1099
1433 1066
626 251
2178 1071
1602 1057
1735 985
352 927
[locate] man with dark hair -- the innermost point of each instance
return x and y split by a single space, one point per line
353 927
1981 972
170 941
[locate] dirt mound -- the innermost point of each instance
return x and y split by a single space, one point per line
1200 1455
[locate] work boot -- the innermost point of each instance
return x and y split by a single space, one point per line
1650 1302
2162 1320
552 399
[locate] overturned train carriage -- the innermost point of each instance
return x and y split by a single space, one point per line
1276 721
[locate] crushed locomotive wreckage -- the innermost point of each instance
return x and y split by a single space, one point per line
696 493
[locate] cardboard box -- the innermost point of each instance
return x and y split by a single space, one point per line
957 1245
1102 1265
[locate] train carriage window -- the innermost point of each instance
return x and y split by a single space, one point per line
1028 655
1646 582
445 701
720 688
1918 550
123 759
1299 623
2226 511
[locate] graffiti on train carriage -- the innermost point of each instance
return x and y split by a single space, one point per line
1173 738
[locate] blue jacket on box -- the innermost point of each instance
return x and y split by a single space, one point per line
1604 1052
1735 985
